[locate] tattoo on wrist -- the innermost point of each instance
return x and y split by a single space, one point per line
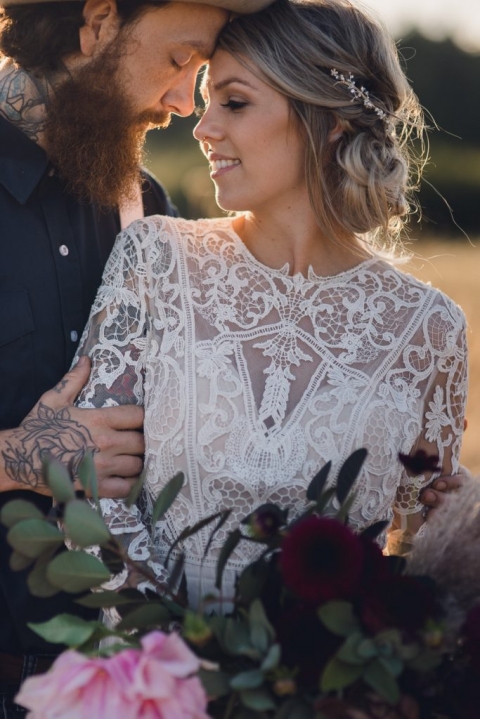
45 432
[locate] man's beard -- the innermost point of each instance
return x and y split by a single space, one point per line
94 138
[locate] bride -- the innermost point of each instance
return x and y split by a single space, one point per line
265 343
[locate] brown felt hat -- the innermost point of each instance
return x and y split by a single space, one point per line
242 7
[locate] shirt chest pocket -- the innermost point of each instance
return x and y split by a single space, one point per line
16 319
16 357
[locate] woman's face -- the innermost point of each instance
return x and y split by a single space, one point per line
250 139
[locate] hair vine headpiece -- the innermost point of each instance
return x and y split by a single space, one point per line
359 93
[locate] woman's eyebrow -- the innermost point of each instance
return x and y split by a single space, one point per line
229 81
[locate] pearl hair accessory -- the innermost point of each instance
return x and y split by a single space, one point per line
359 93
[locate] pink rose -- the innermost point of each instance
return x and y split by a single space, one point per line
154 682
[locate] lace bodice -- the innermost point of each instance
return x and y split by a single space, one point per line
252 379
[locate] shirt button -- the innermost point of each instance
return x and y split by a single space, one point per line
74 336
63 249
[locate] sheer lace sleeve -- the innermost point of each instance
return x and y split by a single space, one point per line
115 339
442 426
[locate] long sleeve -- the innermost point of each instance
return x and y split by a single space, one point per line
442 430
115 339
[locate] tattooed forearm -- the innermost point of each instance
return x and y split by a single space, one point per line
45 432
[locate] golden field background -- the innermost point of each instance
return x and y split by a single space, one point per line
454 267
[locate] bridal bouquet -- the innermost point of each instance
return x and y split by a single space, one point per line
323 625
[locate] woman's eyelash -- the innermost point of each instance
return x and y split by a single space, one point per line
234 104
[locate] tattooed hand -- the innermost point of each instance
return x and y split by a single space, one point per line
56 427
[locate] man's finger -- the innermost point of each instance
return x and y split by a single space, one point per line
128 416
448 483
116 487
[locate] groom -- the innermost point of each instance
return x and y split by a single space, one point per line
80 84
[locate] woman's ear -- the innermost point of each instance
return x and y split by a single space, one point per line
100 28
336 132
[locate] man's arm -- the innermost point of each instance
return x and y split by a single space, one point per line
56 427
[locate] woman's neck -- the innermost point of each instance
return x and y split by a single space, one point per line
23 99
292 236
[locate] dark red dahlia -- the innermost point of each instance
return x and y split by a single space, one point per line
321 560
375 564
398 601
420 462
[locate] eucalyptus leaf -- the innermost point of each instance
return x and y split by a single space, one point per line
167 496
18 561
17 510
257 699
215 683
261 631
236 638
58 479
339 618
87 475
350 651
66 629
106 600
84 526
228 547
76 572
150 614
377 676
316 486
338 675
37 581
272 659
348 473
31 537
248 680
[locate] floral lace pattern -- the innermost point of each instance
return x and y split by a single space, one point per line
252 379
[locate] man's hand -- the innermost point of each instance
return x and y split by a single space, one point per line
56 427
435 496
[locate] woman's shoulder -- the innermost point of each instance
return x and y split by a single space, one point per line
423 296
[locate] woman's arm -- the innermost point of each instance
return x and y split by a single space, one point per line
441 436
115 339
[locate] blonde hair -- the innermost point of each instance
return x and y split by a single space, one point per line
362 181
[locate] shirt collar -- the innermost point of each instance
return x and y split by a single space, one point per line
22 162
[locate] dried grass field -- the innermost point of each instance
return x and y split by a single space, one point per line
454 267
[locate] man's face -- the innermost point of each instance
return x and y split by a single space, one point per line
164 51
97 118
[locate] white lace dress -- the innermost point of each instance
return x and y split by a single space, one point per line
253 379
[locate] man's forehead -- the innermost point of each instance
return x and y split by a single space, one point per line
203 48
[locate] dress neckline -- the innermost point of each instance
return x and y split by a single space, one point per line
283 272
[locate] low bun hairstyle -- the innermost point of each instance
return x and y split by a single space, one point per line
361 170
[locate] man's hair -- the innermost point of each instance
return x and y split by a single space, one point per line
38 36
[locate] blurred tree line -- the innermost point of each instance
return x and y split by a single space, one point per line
447 81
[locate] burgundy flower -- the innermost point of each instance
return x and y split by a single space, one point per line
265 521
420 462
398 601
321 559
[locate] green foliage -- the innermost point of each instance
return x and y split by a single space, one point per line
166 497
31 537
84 526
17 510
76 571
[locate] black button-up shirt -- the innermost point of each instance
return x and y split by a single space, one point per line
53 249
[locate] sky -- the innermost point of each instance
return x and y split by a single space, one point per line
459 19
